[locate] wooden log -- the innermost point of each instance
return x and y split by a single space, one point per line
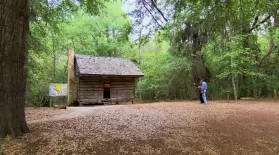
90 100
90 93
121 95
90 83
90 97
91 89
122 83
91 86
121 86
121 89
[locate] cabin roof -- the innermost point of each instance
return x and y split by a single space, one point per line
106 66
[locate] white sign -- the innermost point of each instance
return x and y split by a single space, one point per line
58 89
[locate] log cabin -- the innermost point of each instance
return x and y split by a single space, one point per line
101 79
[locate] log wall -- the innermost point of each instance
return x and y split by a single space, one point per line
91 89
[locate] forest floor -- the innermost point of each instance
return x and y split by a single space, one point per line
185 127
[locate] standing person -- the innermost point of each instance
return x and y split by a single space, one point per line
199 90
203 90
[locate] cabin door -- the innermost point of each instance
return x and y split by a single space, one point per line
106 90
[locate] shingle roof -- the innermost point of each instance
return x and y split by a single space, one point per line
109 66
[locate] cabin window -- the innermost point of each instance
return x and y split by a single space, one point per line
106 90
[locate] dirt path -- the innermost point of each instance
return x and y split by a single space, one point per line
74 112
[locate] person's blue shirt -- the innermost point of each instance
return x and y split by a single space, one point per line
204 86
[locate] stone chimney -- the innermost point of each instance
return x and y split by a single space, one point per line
72 79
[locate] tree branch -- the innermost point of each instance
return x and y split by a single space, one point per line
153 3
271 48
255 21
153 16
257 25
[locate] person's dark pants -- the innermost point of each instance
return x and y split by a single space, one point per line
201 98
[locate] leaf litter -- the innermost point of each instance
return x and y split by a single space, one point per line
239 127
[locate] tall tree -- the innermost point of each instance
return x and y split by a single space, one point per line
13 49
14 27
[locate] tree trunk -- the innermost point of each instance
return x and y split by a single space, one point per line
270 49
13 49
115 52
54 59
234 88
